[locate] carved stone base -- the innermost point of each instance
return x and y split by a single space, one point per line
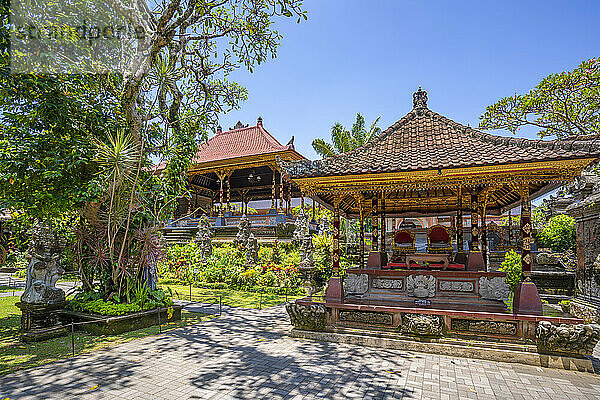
579 339
334 292
422 325
527 299
307 317
40 322
584 310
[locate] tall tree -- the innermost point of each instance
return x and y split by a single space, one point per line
562 105
345 140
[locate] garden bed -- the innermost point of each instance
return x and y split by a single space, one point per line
102 325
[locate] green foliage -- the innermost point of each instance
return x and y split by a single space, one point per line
143 299
513 268
558 233
47 125
344 140
562 105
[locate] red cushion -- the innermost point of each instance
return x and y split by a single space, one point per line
396 265
386 266
457 267
403 237
439 235
436 266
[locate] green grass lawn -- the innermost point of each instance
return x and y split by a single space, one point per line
4 289
230 297
15 355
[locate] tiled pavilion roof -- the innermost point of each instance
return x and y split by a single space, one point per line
426 140
241 141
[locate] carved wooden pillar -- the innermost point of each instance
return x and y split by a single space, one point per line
335 292
280 192
383 224
273 190
374 227
289 198
361 261
526 229
336 238
221 178
509 227
393 230
314 218
228 192
459 222
475 223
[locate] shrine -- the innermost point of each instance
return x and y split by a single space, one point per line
229 171
428 165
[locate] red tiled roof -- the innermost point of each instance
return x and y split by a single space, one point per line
425 140
241 142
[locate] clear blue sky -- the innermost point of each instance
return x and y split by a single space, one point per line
369 56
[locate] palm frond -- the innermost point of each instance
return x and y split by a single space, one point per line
323 148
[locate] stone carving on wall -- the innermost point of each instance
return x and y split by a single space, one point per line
203 238
307 317
489 327
43 270
366 317
567 338
356 284
421 286
241 239
494 288
456 286
422 324
394 284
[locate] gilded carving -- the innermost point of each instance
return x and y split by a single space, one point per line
420 286
366 317
394 284
488 327
456 286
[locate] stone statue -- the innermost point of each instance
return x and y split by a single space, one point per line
203 238
251 252
307 317
421 286
241 239
577 339
422 324
43 270
303 238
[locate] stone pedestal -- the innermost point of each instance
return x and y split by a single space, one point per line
475 261
376 260
334 292
527 299
41 321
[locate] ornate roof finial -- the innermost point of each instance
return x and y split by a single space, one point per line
420 98
259 121
219 129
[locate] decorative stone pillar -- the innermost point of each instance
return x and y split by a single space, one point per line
334 292
527 299
475 260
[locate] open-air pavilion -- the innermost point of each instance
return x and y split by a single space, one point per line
427 164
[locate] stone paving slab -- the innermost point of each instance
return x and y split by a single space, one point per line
246 354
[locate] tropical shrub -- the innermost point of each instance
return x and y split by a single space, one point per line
143 299
558 233
513 268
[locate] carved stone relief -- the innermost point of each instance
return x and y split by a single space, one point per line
366 317
456 286
421 286
566 338
307 317
422 324
356 284
395 284
489 327
494 288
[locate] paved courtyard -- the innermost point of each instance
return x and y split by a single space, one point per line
246 354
